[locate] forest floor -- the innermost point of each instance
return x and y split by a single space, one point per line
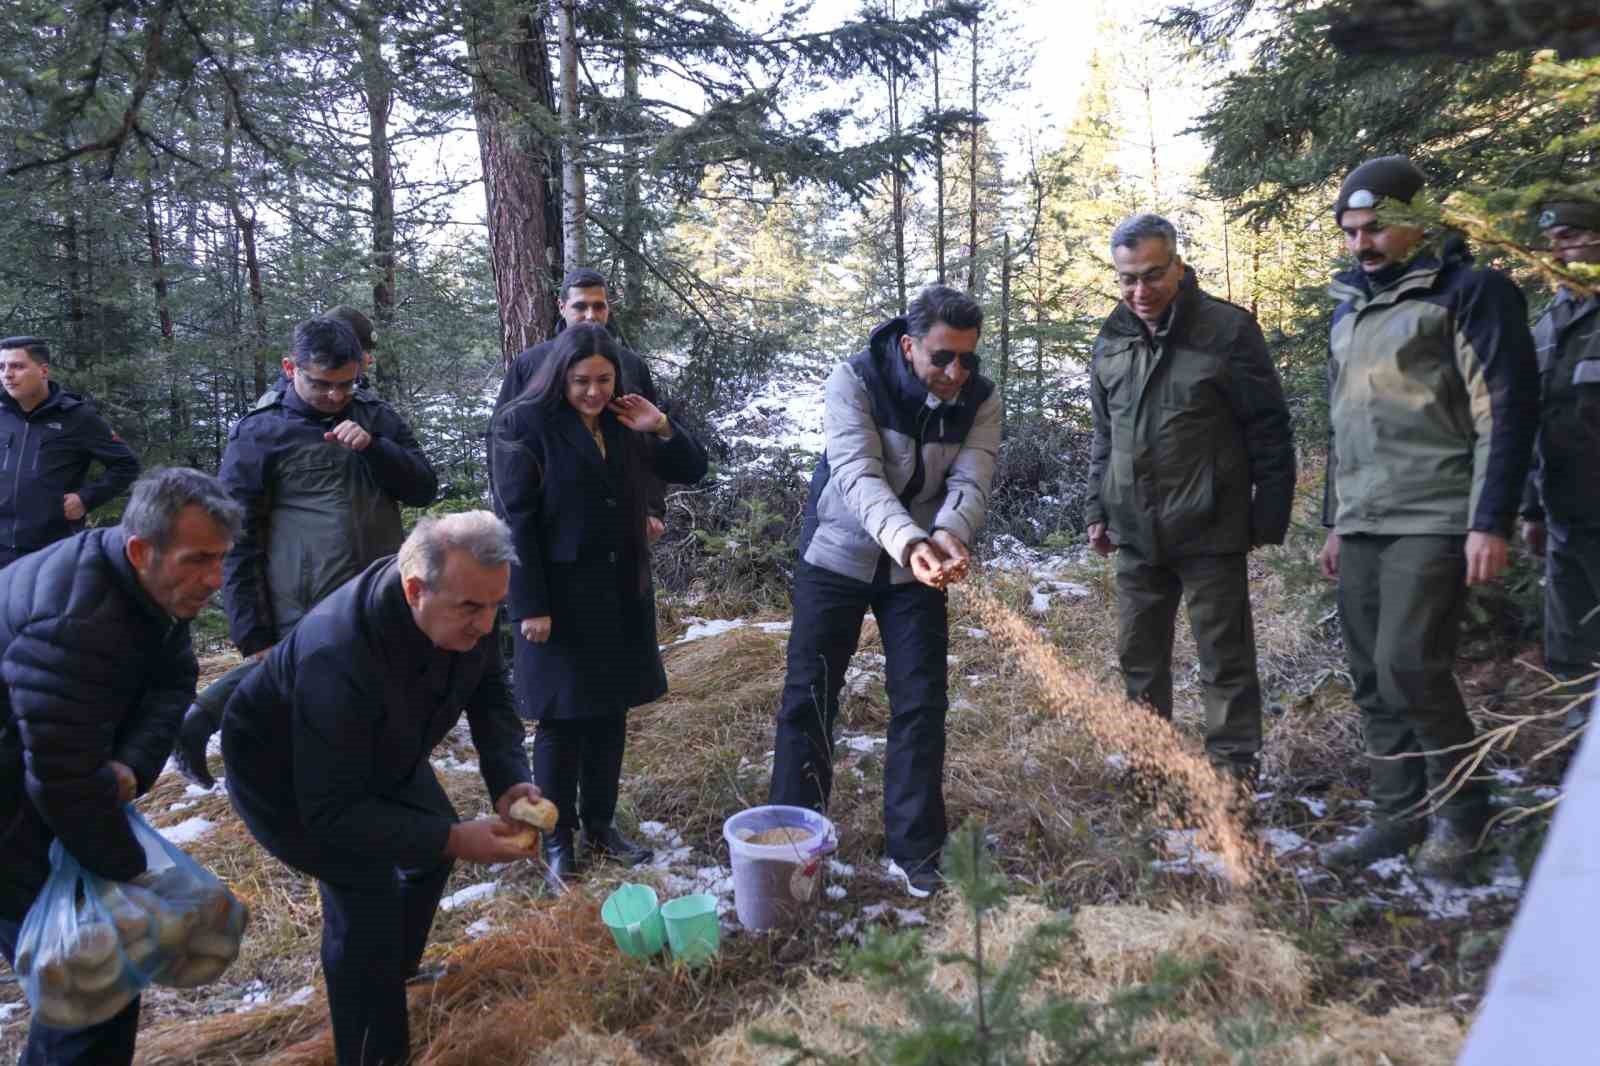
1297 966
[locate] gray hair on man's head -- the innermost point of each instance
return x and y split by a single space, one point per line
1130 231
160 496
478 533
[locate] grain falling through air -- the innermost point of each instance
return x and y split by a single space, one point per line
1155 751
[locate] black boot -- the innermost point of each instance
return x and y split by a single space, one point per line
1452 840
611 843
1379 840
560 860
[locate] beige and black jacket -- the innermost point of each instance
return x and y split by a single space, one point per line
1432 400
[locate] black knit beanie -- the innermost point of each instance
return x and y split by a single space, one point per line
1578 214
1392 177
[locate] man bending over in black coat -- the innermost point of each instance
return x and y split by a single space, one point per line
95 656
326 749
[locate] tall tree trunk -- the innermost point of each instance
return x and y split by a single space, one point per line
158 268
632 212
897 190
246 226
1005 324
511 75
938 179
376 80
972 174
75 315
573 207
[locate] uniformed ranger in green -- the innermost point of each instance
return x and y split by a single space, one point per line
1193 465
1432 400
1561 509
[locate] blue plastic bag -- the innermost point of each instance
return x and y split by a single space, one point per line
88 946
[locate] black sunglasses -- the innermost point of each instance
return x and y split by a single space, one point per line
969 360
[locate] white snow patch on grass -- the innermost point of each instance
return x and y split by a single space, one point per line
187 831
470 894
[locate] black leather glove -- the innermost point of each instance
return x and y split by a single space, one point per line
193 737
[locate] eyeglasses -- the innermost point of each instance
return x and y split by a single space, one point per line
1149 277
323 385
942 359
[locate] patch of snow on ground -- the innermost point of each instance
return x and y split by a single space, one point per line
1444 899
301 997
180 806
1316 807
713 627
712 880
1282 841
481 927
470 894
451 764
902 915
188 830
836 892
975 633
1008 553
1045 591
864 744
8 1009
256 994
192 791
1189 856
789 414
841 869
1507 777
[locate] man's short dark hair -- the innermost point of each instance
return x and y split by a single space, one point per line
36 347
581 278
325 343
941 303
160 496
358 322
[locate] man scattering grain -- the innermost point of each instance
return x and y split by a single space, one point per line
912 435
95 654
326 749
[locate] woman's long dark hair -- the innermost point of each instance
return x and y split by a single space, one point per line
547 393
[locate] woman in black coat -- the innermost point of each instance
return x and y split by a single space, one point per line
570 461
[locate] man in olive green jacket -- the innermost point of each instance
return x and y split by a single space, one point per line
1193 465
1432 401
1561 509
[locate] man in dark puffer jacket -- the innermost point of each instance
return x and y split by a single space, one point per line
97 669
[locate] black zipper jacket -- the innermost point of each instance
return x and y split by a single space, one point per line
45 454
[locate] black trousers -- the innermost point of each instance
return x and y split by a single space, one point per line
375 921
109 1043
577 764
828 610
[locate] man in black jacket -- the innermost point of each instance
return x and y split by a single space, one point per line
326 748
1560 509
48 438
97 668
321 469
584 299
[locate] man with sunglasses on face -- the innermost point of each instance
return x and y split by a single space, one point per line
321 469
1192 466
1561 509
912 432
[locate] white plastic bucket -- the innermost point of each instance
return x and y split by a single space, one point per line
776 885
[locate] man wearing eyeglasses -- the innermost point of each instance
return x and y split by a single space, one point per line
1192 466
1561 509
912 431
321 469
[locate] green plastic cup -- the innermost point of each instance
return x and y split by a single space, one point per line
634 918
692 927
